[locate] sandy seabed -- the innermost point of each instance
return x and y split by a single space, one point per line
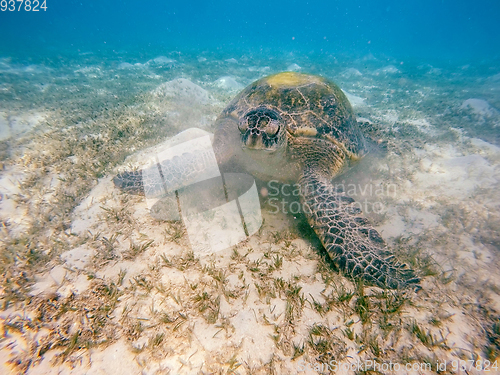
92 284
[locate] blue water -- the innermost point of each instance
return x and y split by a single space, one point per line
457 30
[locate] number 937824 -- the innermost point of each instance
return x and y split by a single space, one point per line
23 5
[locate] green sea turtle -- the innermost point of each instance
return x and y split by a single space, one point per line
299 128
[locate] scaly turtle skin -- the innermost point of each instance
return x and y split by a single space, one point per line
301 128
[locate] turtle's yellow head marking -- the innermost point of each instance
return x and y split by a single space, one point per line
291 79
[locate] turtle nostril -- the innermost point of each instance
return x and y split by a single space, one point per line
255 131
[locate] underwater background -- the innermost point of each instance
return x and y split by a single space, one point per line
92 283
443 30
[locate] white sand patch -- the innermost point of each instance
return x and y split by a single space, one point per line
126 65
495 77
43 286
10 181
351 72
489 148
77 258
5 87
254 337
74 285
14 125
12 344
182 104
313 290
363 120
228 83
435 71
261 69
356 101
369 57
49 282
293 68
448 198
182 89
58 274
87 213
13 215
389 69
5 63
389 116
459 335
394 226
5 355
161 61
211 338
115 359
474 254
420 220
129 66
154 76
444 174
232 60
6 67
430 69
78 285
5 131
43 87
479 107
277 310
131 268
47 367
172 276
189 357
411 221
422 124
290 269
90 71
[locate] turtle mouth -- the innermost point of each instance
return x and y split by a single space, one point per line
256 149
261 129
255 140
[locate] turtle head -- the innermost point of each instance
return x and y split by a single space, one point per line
262 128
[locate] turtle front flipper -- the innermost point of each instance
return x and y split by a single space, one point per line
357 249
147 181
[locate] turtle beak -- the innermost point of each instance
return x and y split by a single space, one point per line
252 139
255 141
254 144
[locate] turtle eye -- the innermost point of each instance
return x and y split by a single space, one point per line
272 128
